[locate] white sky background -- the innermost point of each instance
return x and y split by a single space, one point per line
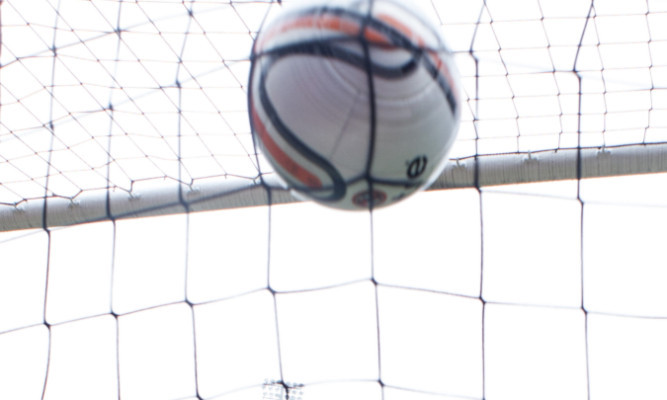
428 253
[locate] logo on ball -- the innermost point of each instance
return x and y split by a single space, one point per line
366 198
417 167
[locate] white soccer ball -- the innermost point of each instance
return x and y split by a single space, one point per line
354 103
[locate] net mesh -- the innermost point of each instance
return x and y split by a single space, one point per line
549 290
105 102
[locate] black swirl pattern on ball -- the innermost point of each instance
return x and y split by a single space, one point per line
331 48
338 187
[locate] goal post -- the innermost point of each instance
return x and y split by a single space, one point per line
148 252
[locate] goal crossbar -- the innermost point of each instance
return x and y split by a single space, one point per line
223 193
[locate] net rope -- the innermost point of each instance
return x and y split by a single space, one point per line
54 145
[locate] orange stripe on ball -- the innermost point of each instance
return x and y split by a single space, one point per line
329 22
283 159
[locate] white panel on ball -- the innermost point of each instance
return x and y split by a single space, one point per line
354 103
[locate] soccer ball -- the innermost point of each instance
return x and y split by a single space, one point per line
354 103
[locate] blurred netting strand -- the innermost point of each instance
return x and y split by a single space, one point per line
114 109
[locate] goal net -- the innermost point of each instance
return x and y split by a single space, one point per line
147 252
